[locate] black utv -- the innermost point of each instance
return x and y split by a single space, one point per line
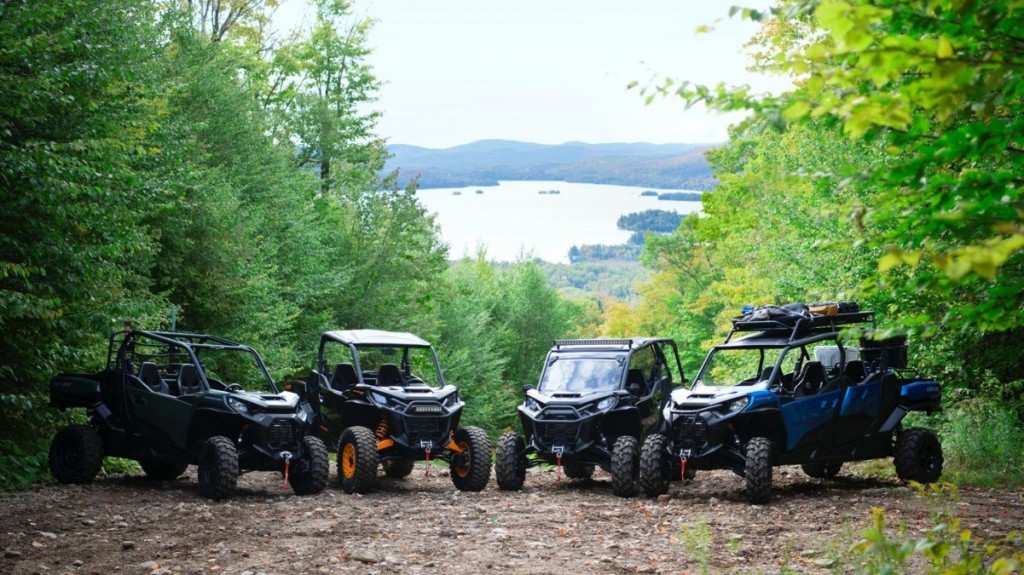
375 410
168 400
794 390
596 401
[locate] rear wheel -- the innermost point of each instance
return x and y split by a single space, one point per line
357 460
654 465
162 470
576 470
76 454
398 468
918 456
309 474
625 466
822 470
510 462
218 468
758 471
475 459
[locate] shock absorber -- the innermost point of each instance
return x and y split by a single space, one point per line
382 429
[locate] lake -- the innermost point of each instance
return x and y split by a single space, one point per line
512 218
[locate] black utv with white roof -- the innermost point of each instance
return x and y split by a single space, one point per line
381 400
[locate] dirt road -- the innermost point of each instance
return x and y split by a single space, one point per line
127 524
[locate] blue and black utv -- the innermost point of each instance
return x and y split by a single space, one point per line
794 391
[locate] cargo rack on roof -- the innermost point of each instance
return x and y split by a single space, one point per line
594 342
797 325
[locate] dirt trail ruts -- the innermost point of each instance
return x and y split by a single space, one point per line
127 524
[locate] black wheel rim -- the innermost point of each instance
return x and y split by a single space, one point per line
68 456
929 458
206 472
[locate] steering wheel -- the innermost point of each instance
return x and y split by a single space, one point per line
234 387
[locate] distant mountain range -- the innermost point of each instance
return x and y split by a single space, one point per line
672 166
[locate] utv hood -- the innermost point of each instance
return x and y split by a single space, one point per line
701 396
284 401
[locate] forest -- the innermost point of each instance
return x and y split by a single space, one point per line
176 159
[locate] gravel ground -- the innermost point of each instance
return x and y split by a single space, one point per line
128 524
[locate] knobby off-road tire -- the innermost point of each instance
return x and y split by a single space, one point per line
357 460
758 471
510 462
218 468
625 466
76 454
576 470
475 475
309 474
654 465
822 470
162 470
918 456
398 468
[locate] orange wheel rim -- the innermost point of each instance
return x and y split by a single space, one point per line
348 460
463 470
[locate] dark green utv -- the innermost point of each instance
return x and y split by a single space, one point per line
168 400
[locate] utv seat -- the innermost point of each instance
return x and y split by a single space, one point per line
150 375
344 377
389 374
855 372
188 379
811 379
636 377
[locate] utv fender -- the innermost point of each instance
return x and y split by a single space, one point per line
764 422
207 423
625 422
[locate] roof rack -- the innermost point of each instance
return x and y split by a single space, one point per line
795 326
594 342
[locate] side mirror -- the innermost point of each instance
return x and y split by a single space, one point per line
527 388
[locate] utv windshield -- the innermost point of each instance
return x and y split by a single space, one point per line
726 367
225 366
582 375
402 365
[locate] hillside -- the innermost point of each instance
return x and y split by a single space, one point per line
678 166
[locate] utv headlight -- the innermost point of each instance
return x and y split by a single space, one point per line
739 404
379 398
606 403
451 400
532 404
240 406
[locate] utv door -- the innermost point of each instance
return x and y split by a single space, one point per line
865 407
159 418
810 420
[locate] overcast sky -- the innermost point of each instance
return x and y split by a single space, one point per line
547 71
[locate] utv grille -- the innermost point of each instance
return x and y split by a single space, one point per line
557 433
690 430
423 426
282 434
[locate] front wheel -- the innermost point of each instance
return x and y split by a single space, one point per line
218 468
654 466
758 470
161 470
510 462
357 460
311 470
625 466
76 454
918 456
471 466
